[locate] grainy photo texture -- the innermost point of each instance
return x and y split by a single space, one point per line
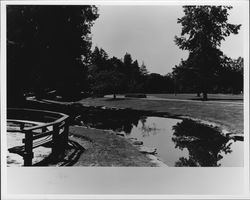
125 86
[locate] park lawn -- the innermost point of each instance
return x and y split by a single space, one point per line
227 115
211 97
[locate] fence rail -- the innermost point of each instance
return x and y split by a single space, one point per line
49 127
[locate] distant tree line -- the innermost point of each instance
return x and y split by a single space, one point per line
228 78
49 48
112 75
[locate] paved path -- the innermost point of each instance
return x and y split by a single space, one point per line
183 100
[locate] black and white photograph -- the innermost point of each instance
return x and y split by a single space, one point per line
96 86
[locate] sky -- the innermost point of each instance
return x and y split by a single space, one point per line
147 33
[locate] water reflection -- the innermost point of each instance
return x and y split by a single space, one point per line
179 143
121 121
148 129
204 143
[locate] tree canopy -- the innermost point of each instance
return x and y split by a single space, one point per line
48 46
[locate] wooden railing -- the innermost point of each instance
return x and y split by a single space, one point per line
51 129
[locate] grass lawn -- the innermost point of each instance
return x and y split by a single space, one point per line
228 115
107 149
211 97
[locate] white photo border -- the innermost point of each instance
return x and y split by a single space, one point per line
124 182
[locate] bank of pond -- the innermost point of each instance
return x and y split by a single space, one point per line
178 142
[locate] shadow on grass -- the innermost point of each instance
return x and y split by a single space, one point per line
116 99
73 154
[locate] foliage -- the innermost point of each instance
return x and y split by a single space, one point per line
127 71
48 46
108 82
99 58
231 76
227 79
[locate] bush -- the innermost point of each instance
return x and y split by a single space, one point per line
97 95
137 95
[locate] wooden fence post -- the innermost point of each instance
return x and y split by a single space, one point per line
28 148
66 134
44 129
21 126
55 142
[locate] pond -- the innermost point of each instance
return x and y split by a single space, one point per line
179 142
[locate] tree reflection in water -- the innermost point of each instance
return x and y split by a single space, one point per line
147 129
204 143
122 120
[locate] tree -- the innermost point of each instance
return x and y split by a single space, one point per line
143 69
132 72
116 63
127 60
133 76
106 75
186 78
99 58
170 83
108 82
203 29
231 75
156 83
238 75
51 42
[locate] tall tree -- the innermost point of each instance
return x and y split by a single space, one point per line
127 60
48 46
132 71
99 59
143 69
203 29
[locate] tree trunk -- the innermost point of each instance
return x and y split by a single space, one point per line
198 94
114 96
204 96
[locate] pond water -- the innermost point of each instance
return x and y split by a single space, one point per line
189 149
178 142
